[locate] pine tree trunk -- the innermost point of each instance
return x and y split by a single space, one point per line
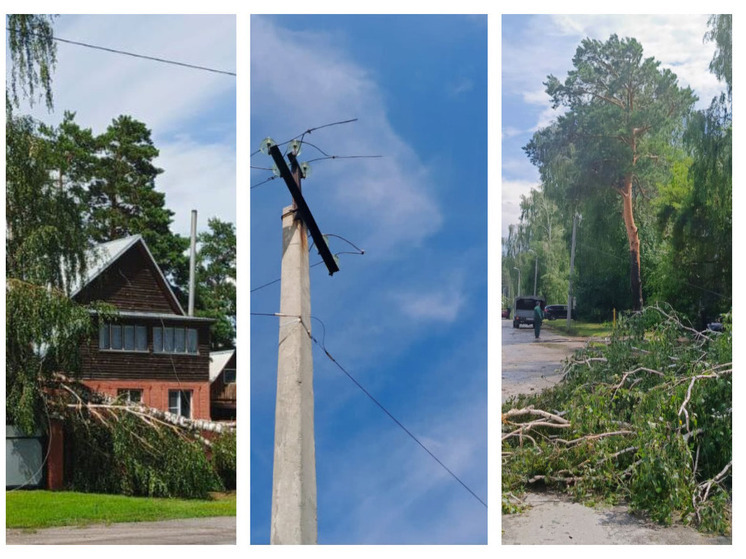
634 244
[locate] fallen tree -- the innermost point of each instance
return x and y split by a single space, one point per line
114 446
644 418
129 448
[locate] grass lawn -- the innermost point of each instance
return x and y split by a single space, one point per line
581 329
43 509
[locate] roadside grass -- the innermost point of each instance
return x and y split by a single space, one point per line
580 329
32 510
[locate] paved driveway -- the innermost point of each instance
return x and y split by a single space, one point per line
199 531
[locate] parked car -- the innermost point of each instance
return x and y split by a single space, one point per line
523 312
716 325
552 312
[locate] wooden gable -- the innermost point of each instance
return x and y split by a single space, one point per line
132 282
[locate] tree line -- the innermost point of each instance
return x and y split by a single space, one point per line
650 176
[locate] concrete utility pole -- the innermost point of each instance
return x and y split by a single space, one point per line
518 294
572 268
294 472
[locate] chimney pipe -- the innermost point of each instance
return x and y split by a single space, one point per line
192 262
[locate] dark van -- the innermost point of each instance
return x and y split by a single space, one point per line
524 310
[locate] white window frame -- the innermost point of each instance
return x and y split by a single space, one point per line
106 336
178 409
162 339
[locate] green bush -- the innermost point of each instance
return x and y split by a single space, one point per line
129 457
224 459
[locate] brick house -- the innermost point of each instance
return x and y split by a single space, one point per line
152 352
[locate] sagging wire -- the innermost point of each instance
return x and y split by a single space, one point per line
143 56
322 345
311 266
302 134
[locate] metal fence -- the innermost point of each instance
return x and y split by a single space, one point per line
24 459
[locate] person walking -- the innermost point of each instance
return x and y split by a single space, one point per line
538 317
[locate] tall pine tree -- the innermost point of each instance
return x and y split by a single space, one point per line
623 110
122 200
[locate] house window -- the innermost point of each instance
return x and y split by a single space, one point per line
116 336
168 339
192 340
180 402
229 376
123 337
131 395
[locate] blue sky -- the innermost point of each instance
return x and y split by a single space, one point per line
191 113
534 46
409 318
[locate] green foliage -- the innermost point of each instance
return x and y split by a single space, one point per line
33 55
224 459
130 457
537 247
215 295
45 242
650 423
695 217
624 114
43 332
721 31
65 190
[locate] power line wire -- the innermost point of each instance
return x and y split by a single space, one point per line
302 134
311 266
253 186
322 345
387 412
344 157
143 56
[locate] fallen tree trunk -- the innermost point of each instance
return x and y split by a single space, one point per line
97 401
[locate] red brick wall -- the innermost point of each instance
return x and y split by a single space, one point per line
56 458
155 393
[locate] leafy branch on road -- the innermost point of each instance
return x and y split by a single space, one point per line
645 418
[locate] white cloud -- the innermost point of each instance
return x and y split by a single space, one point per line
100 85
676 40
547 117
198 176
510 132
179 105
512 190
462 86
536 96
546 45
436 305
386 198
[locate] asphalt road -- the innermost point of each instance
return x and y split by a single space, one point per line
529 365
190 531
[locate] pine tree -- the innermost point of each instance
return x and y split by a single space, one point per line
122 199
